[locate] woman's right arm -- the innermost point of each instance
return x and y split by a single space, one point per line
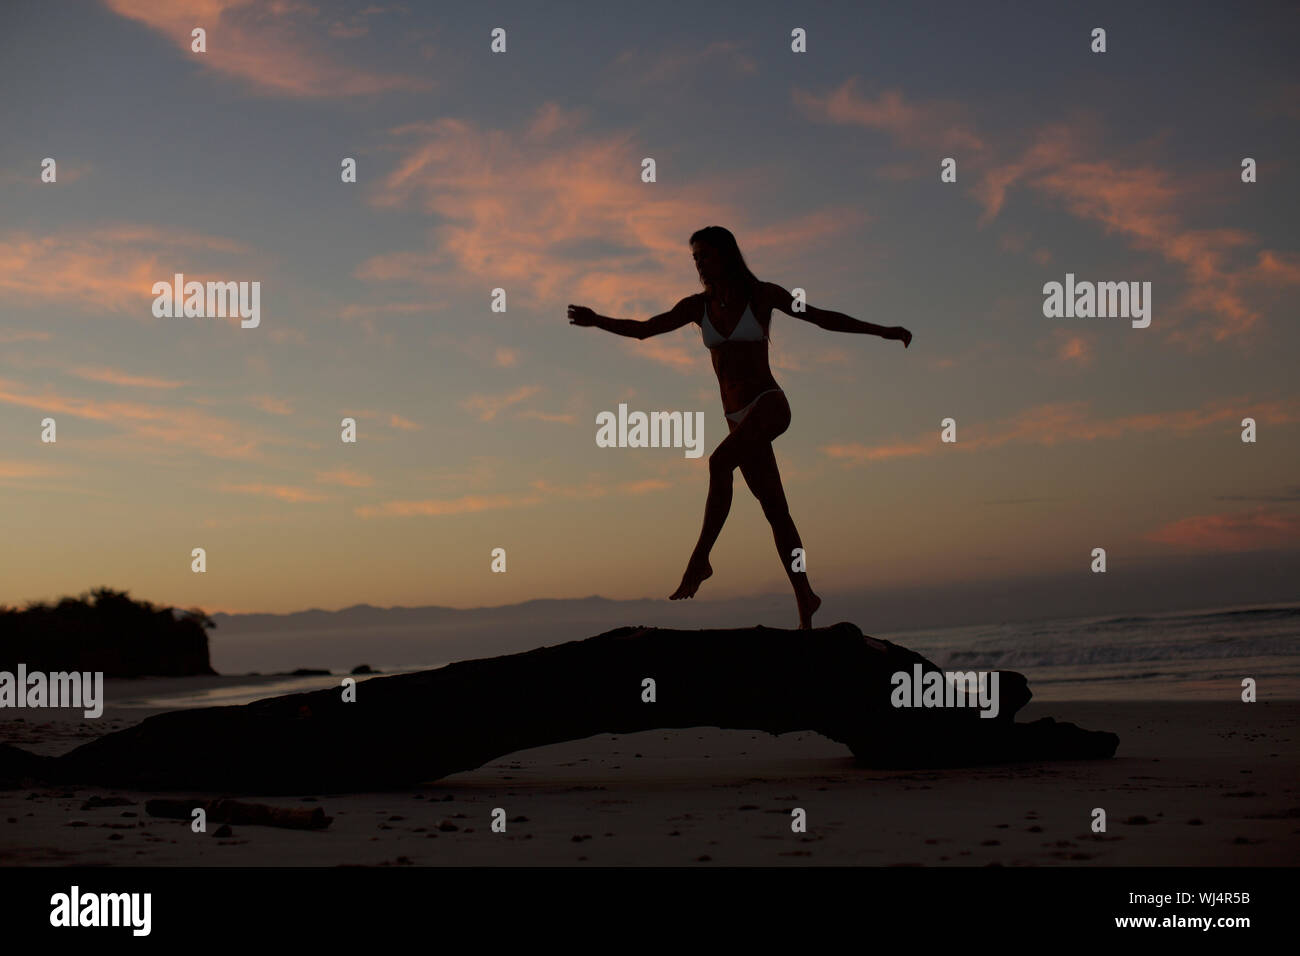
675 318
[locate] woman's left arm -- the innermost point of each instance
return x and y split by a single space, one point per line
836 321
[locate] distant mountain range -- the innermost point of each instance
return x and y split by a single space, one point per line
430 636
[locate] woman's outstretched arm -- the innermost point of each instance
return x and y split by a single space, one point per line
836 321
674 318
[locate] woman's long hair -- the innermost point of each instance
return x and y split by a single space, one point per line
721 239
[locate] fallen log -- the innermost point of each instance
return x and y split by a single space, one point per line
412 728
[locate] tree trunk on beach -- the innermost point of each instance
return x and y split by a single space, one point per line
412 728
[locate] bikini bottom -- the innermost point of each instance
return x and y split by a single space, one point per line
739 414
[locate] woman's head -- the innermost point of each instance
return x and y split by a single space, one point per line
718 259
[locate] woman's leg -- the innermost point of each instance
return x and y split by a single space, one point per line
716 508
764 480
769 417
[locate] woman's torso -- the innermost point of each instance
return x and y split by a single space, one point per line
742 367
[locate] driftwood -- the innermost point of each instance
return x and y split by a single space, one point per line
412 728
247 814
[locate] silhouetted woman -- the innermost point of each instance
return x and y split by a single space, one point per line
734 313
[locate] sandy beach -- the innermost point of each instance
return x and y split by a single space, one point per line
1194 783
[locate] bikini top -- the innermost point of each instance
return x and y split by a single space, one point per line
746 330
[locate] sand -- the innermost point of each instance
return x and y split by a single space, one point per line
1194 783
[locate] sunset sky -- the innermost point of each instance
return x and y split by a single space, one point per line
522 171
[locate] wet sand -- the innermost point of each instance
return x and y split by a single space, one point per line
1194 783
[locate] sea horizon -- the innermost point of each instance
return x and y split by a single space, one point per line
1191 654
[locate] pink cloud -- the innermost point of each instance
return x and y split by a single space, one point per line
1073 349
433 507
1261 529
1141 202
571 222
542 490
554 417
929 126
166 426
112 376
645 486
25 469
487 407
273 406
288 493
108 267
403 424
588 489
346 477
1146 205
679 350
1059 422
279 48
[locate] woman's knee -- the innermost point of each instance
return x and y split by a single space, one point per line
721 464
777 513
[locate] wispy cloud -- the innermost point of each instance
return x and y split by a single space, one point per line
645 486
25 469
1260 529
273 406
1147 204
563 418
279 48
1140 200
591 488
680 350
436 507
403 424
1075 349
555 215
346 477
1070 348
113 376
164 426
542 490
107 267
927 126
1056 423
290 493
487 407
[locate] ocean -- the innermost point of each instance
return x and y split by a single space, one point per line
1184 655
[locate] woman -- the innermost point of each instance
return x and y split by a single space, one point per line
734 313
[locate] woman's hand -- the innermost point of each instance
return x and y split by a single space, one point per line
581 315
898 332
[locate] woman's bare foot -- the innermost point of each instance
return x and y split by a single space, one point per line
807 608
695 573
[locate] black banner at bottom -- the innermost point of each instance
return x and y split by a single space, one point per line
503 907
